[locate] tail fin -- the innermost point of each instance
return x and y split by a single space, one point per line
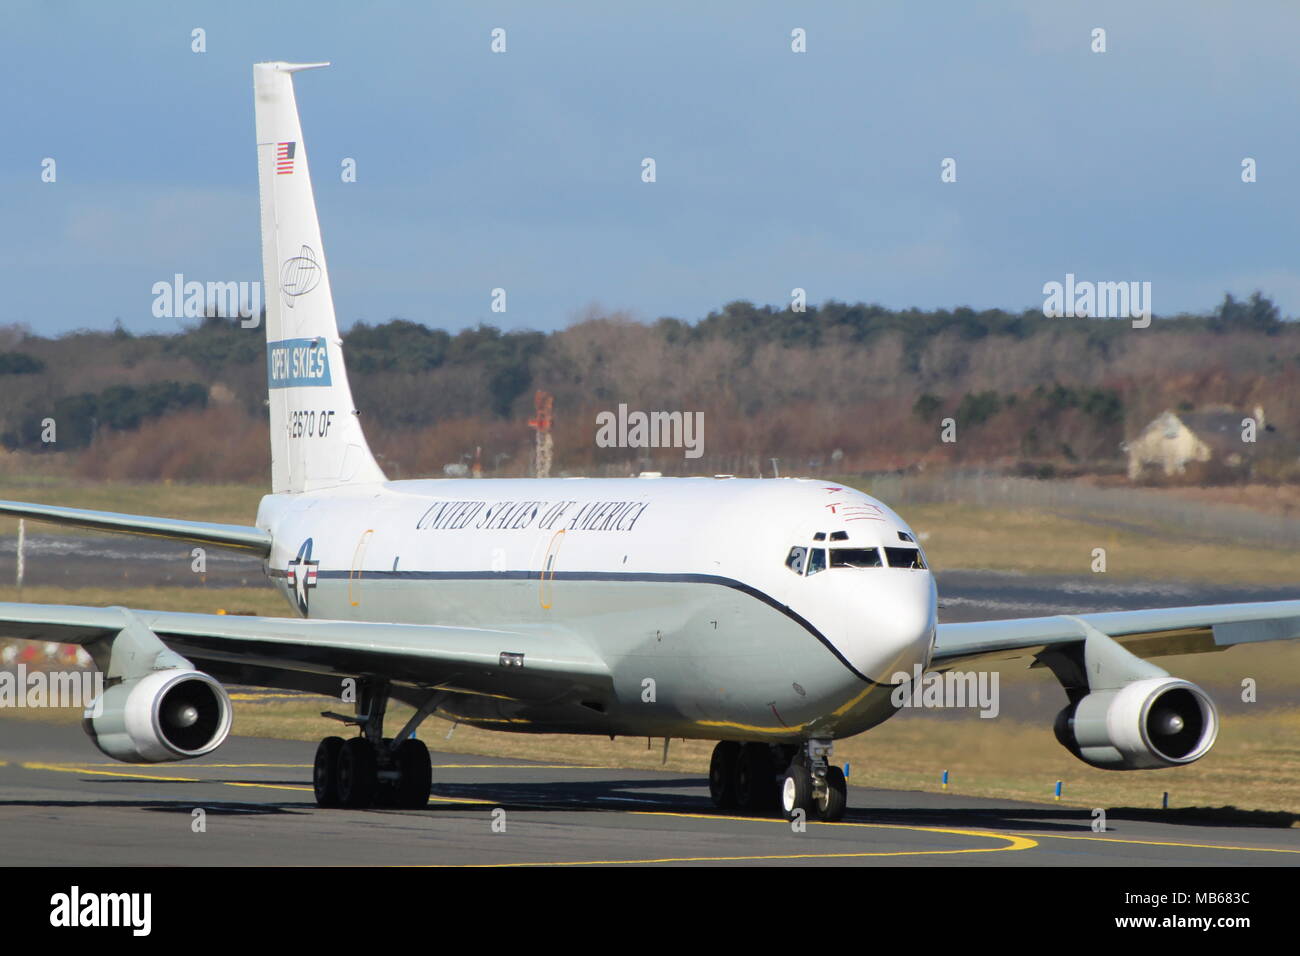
316 437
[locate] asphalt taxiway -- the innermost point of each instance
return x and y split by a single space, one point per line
62 803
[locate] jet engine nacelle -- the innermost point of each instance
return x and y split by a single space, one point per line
171 714
1156 722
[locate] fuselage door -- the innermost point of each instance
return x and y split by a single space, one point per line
354 572
546 572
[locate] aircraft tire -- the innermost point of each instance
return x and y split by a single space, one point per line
796 791
756 787
416 775
831 804
722 774
325 772
358 777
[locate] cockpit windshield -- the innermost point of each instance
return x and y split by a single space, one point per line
855 558
905 558
806 561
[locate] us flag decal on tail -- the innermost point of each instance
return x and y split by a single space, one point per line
284 158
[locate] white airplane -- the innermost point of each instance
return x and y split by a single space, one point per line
769 615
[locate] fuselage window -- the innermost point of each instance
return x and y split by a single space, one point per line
794 560
905 558
817 561
855 558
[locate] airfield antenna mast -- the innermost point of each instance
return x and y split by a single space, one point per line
544 403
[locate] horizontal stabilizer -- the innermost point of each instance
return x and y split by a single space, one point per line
239 537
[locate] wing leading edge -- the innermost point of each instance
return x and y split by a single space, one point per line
303 652
1147 633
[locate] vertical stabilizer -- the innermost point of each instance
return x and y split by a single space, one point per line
316 437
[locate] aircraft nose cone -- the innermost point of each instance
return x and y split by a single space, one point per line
894 626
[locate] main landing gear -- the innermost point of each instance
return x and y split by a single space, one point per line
748 777
372 770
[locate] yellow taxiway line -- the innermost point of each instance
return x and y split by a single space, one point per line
1187 846
1013 842
1001 833
79 768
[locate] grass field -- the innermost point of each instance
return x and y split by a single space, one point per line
262 601
1000 539
227 504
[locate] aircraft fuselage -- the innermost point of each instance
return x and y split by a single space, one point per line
683 586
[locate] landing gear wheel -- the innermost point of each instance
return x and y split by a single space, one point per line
386 786
722 774
756 790
416 775
832 800
796 791
324 774
358 777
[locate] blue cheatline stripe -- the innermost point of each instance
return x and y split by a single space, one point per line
638 576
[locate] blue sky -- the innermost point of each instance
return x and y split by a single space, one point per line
775 170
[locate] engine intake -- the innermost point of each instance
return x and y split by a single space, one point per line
1156 722
169 714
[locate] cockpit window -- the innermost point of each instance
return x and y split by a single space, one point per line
905 558
855 558
839 536
806 561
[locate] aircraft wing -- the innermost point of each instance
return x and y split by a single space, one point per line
239 537
315 655
1146 633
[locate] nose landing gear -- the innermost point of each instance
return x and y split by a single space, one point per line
813 784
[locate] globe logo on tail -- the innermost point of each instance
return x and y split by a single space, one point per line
299 275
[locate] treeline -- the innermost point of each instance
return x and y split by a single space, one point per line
838 386
117 408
